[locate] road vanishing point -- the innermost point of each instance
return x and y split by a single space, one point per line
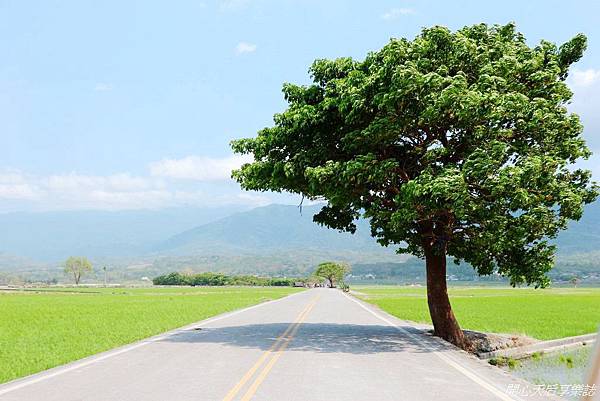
316 345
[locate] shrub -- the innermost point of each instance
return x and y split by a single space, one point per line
220 279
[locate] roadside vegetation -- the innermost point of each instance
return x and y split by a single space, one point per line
220 279
47 328
542 314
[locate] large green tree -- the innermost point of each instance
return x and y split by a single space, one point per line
453 144
332 272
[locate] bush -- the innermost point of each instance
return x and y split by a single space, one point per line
213 279
281 282
220 279
171 279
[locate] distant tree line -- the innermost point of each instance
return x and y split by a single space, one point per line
218 279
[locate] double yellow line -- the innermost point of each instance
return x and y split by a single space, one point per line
274 352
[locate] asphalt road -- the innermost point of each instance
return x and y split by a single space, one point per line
315 345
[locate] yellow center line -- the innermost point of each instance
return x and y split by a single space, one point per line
233 392
265 372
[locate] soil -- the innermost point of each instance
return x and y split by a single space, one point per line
488 342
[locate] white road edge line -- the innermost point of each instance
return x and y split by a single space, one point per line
465 371
89 360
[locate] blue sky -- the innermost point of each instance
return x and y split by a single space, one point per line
125 104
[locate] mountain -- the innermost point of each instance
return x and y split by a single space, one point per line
275 239
53 236
277 227
267 229
582 236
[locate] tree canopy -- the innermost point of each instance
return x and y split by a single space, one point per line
454 143
77 266
332 272
462 135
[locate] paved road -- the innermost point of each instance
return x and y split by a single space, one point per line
315 345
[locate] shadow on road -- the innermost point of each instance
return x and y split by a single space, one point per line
313 337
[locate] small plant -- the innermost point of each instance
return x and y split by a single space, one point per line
504 361
567 360
536 356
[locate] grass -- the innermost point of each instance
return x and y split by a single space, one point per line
46 328
542 314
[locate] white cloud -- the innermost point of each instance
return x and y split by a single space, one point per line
116 182
103 87
198 168
17 192
190 181
115 191
12 177
245 47
14 186
396 13
584 78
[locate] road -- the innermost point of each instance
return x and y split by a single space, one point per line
319 344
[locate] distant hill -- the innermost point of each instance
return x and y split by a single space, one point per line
582 236
53 236
284 227
267 229
272 240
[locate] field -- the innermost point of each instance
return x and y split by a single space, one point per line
562 368
542 314
47 328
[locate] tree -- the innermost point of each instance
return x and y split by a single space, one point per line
77 266
453 144
574 280
332 272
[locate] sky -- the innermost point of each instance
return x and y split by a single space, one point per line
132 104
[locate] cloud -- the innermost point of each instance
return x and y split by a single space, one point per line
245 47
584 78
396 13
112 192
198 168
17 192
103 87
14 186
116 182
196 181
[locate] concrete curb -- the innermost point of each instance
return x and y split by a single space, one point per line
544 346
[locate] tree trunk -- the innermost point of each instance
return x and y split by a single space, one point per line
444 322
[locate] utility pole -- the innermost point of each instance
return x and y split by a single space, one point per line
105 276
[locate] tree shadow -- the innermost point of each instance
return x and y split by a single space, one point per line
315 337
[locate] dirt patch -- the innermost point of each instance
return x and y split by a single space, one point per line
489 342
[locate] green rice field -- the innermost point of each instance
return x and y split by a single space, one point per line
543 314
45 328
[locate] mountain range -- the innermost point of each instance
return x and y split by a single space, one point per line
265 239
